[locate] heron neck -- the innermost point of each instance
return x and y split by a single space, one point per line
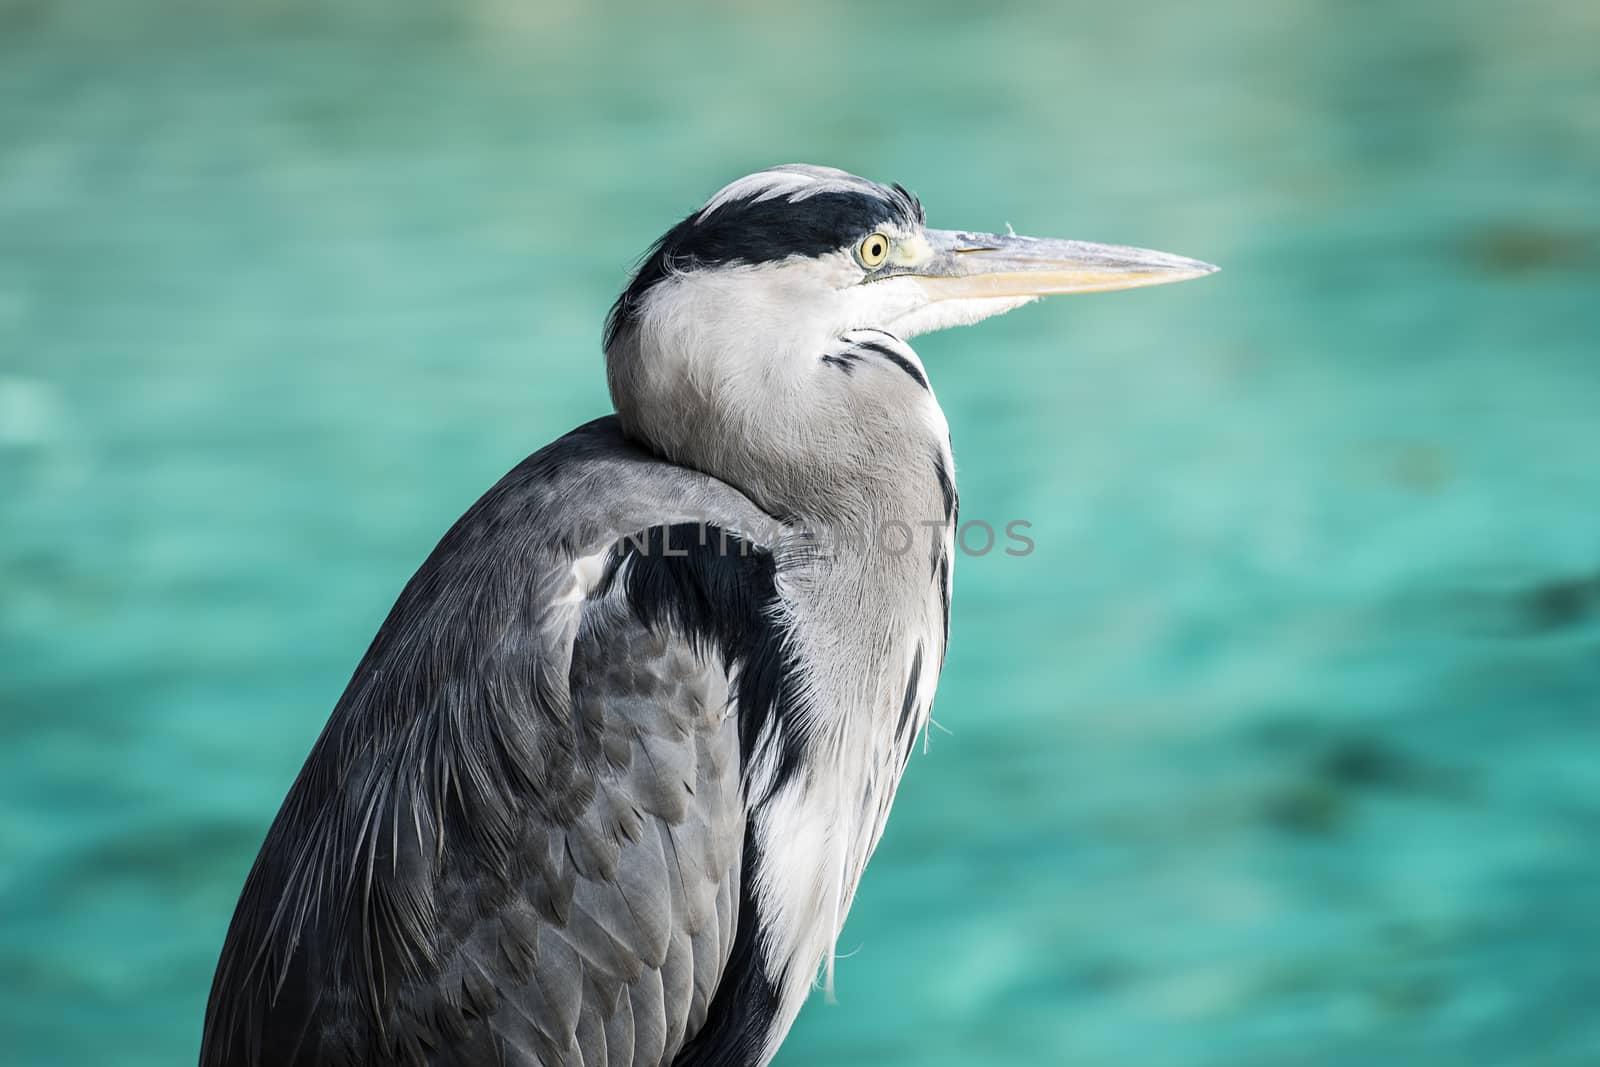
867 614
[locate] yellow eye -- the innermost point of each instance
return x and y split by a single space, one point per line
873 250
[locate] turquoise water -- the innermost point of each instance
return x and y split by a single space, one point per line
1282 748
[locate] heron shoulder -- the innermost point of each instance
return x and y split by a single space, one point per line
526 808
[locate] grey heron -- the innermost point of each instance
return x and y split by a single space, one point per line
603 787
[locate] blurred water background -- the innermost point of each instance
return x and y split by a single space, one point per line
1282 747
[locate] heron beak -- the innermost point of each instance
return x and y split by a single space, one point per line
967 266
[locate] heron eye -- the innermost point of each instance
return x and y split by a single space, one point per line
874 249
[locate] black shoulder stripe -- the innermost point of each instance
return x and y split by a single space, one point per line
897 359
719 591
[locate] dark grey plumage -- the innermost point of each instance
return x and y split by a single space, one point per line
519 839
603 788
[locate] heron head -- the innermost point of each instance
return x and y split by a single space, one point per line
718 333
815 249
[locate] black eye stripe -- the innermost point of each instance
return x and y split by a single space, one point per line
756 231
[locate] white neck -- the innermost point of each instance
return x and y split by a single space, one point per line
836 431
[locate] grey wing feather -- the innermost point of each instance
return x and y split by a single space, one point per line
519 838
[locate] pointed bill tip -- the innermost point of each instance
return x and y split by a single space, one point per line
1009 265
